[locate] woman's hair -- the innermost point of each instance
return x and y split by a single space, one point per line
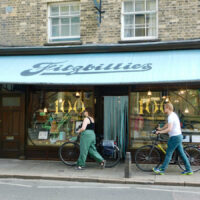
169 106
90 111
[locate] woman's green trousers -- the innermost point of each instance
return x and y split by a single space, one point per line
87 145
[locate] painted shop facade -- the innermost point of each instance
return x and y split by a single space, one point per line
122 58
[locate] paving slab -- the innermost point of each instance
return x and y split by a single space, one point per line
56 170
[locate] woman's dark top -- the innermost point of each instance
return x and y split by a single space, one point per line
90 126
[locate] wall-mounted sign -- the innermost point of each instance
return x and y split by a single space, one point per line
9 9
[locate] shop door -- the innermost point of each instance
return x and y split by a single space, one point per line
12 125
116 120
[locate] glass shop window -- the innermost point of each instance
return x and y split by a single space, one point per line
54 116
147 111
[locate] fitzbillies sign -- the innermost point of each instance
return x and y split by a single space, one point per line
65 68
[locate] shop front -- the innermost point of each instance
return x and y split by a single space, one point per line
126 90
146 112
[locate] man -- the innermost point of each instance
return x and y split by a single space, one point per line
173 128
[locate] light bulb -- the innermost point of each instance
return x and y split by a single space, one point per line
149 93
186 110
181 92
77 94
45 110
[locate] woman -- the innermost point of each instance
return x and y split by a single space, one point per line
88 141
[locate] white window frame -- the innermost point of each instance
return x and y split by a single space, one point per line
61 38
134 13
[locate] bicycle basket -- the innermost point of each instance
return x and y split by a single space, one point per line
108 143
108 147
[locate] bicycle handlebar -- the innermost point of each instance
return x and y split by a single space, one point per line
154 131
158 136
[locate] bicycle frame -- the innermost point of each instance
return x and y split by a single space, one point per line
157 145
160 147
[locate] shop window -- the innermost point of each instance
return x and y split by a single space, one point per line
64 22
147 111
54 116
139 19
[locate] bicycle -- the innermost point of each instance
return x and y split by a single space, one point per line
149 156
69 152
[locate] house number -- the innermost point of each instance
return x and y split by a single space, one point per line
155 108
71 107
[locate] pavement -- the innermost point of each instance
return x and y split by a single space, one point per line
56 170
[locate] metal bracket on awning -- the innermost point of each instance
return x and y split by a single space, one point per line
97 4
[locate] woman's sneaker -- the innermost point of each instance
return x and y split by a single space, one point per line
158 171
79 168
103 164
187 172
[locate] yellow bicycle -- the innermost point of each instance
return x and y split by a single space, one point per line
149 156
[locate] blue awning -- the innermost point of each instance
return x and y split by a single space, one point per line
102 68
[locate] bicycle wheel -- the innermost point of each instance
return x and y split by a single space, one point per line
69 152
112 157
147 157
193 155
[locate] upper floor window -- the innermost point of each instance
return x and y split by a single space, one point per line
64 22
139 19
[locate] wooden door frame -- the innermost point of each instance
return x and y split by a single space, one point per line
22 109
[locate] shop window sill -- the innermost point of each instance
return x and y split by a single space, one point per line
138 41
63 43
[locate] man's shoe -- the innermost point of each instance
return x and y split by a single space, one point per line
158 171
187 172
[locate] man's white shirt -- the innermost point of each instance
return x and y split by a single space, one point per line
176 126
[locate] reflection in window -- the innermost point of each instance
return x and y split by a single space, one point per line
147 111
54 116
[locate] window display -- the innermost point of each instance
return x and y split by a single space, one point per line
146 112
55 115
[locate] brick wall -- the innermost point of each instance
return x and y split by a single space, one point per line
24 22
179 19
